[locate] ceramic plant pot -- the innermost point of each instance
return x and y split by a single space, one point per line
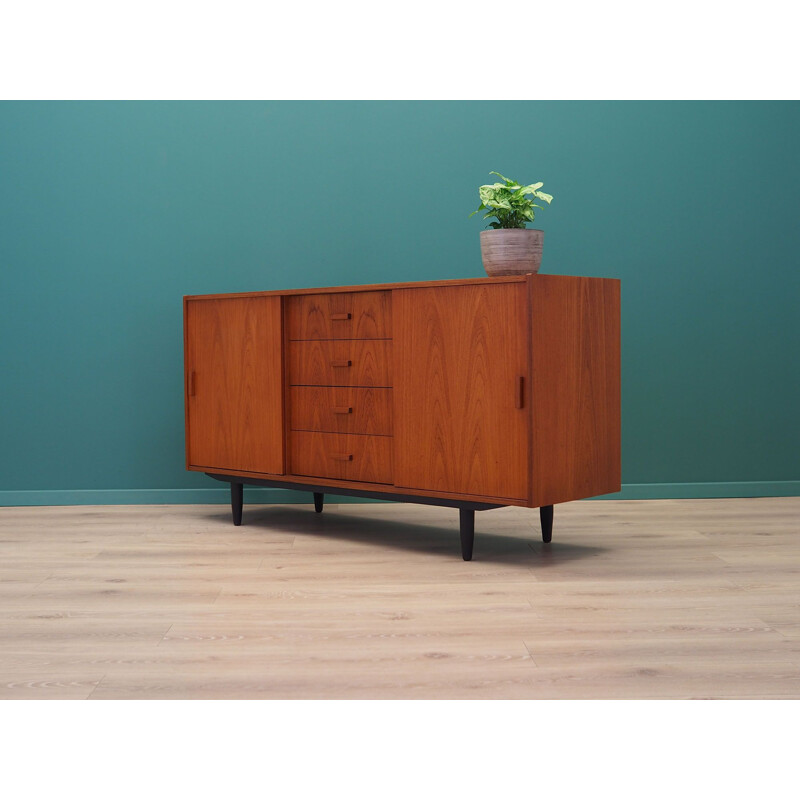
511 251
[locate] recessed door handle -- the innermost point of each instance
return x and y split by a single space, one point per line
191 383
347 363
342 410
342 456
339 317
519 394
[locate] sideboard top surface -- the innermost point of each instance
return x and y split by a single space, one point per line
371 287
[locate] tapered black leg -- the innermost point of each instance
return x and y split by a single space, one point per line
237 500
546 516
318 498
466 518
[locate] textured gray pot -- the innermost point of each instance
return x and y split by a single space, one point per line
511 251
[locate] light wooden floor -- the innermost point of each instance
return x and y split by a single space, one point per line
633 599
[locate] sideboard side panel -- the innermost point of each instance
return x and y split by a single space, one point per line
576 387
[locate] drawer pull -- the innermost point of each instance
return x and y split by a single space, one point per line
338 317
347 363
342 456
342 410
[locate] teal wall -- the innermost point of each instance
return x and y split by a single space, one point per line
111 211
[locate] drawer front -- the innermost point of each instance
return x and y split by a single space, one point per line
335 455
340 363
342 315
341 410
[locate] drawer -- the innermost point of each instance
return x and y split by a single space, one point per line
340 315
341 410
341 456
341 363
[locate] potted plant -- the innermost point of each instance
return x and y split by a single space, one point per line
510 248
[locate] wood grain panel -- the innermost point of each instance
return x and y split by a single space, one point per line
234 375
334 455
346 315
341 363
460 352
576 387
341 410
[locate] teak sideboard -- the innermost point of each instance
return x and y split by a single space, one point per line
472 394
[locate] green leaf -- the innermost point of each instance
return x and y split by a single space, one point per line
531 189
488 193
498 202
481 207
494 190
507 180
544 196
